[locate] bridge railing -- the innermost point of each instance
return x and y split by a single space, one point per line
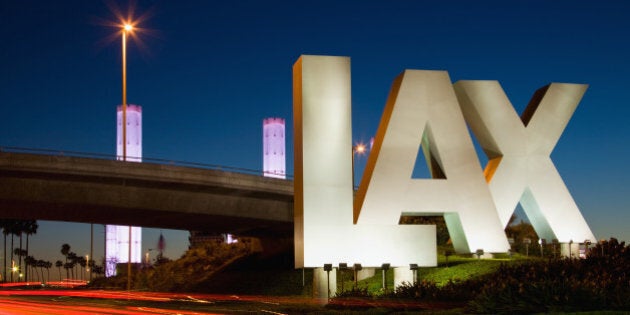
114 157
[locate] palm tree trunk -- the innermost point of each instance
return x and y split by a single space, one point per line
11 257
20 258
4 272
26 275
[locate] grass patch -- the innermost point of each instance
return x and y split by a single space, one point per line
463 270
458 268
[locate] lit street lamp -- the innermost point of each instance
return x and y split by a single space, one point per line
14 269
126 28
360 149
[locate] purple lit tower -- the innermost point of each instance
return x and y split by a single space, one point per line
274 162
117 237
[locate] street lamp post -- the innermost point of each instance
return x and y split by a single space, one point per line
127 28
87 266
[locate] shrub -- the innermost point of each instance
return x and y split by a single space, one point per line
595 283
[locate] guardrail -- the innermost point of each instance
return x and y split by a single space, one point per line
113 157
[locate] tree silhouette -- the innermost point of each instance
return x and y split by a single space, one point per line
67 266
30 261
48 266
12 228
519 232
20 253
73 260
29 228
59 264
83 263
65 249
6 229
41 264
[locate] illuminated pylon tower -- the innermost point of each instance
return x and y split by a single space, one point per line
117 237
134 133
274 161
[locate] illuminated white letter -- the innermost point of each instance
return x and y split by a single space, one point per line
422 111
518 150
324 229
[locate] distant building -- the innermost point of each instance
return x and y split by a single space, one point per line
117 237
274 145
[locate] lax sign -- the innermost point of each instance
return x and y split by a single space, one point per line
424 111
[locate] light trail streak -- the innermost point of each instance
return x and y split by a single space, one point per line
10 302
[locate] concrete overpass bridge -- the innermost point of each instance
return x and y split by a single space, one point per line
93 190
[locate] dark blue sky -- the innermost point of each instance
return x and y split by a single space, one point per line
208 72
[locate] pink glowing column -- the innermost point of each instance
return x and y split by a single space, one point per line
134 133
274 160
117 237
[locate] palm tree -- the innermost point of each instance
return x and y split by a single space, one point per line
29 228
30 261
20 253
98 269
48 266
19 229
83 263
4 224
67 266
58 264
72 256
12 227
65 249
41 264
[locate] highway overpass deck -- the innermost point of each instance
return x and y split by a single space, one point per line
90 190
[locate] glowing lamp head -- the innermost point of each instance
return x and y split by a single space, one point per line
128 27
359 148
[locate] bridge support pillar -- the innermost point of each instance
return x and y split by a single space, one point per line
322 283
